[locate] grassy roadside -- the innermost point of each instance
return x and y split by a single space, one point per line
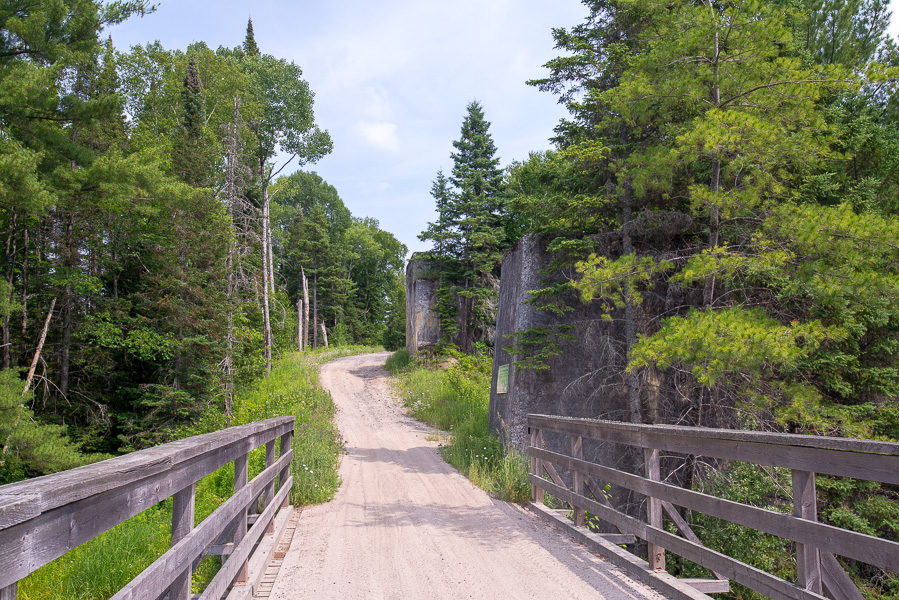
452 393
99 568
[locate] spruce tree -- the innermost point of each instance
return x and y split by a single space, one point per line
192 99
469 235
249 44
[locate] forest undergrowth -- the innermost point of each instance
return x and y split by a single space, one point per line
452 393
99 568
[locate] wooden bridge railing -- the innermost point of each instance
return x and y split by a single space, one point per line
41 519
816 543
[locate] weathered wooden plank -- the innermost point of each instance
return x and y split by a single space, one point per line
683 527
784 439
18 509
29 545
578 483
71 486
269 492
868 549
837 584
536 468
241 469
284 448
9 592
805 506
183 504
231 568
756 579
26 547
654 508
156 578
670 586
708 586
860 459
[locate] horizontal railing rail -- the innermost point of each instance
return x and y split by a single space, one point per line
41 519
818 571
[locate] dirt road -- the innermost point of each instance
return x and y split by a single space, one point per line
404 524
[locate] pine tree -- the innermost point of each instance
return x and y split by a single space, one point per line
249 44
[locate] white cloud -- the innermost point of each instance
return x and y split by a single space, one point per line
380 134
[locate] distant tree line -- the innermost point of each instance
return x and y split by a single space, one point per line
148 219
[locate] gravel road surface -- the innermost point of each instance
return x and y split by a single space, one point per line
405 524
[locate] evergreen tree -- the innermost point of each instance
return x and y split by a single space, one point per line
192 100
249 43
469 234
845 32
192 152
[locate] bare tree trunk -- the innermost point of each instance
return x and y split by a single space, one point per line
266 241
40 346
271 259
228 362
315 309
267 327
299 325
325 335
305 309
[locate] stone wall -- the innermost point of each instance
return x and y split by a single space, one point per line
585 380
422 320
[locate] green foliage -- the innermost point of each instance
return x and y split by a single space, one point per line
469 235
398 362
29 448
455 398
766 488
395 328
732 340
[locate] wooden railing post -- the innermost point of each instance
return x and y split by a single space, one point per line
9 592
537 493
183 504
577 451
241 471
285 472
270 488
805 506
654 508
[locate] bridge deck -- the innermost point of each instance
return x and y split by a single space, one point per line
406 525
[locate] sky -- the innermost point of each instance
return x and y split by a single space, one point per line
392 80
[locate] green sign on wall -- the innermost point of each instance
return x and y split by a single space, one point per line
502 379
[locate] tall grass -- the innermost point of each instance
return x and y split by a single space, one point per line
453 394
99 568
